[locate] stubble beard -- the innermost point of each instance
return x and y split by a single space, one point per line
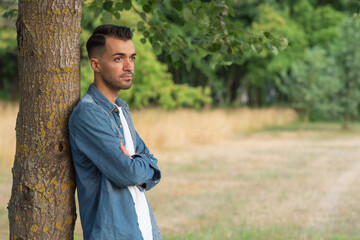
119 84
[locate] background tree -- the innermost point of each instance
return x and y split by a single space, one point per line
313 84
42 204
346 51
8 58
263 70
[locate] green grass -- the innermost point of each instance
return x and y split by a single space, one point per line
319 127
248 233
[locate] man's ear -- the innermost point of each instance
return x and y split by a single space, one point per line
94 62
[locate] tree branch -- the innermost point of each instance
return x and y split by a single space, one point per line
222 29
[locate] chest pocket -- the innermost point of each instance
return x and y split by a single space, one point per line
115 127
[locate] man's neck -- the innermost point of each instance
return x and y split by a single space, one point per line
111 95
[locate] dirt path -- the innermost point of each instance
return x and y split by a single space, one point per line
328 204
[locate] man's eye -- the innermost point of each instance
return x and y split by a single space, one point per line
117 59
133 59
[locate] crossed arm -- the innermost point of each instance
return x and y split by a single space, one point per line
99 143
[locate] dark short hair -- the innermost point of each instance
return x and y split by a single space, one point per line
98 38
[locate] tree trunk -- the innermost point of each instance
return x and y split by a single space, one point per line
306 116
15 86
350 86
42 204
230 82
346 125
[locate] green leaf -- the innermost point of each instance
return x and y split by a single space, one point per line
268 35
231 12
143 40
257 47
141 26
275 50
127 4
84 22
253 40
143 16
202 53
229 58
269 45
107 17
157 48
196 4
98 12
188 15
283 43
146 34
117 15
147 8
107 5
10 14
215 47
245 46
119 6
200 14
177 4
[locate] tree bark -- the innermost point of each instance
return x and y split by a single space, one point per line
42 204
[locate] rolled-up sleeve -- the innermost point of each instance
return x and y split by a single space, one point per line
143 152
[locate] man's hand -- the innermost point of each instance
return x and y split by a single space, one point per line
123 149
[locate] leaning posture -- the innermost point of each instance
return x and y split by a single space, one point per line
112 163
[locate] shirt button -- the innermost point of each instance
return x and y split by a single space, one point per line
120 126
116 110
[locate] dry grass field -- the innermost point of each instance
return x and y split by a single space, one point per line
225 179
266 185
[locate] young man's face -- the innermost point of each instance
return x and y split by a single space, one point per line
116 65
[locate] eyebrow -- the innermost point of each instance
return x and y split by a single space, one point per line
123 54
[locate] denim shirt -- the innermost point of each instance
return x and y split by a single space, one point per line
103 172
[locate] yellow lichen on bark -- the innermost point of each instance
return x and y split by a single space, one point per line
69 220
34 228
58 225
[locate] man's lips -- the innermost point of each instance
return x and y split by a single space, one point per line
127 75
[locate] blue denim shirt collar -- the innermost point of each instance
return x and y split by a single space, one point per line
100 99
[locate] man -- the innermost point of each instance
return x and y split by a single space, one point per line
113 165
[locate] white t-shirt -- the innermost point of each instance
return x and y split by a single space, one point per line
141 205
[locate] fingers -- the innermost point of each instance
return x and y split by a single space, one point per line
123 149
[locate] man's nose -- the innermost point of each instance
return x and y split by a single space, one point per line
128 64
